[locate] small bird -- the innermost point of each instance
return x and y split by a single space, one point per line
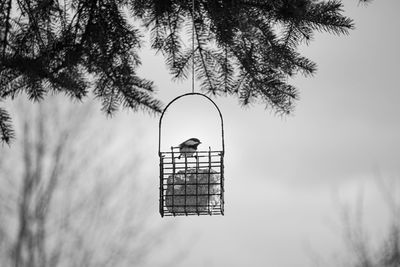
188 147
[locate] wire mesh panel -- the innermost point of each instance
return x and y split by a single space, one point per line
191 185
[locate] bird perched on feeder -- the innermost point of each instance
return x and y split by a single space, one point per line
188 147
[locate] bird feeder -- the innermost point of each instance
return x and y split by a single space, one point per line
191 185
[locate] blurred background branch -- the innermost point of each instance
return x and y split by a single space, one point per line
69 197
361 247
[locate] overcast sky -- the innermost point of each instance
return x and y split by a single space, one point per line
285 177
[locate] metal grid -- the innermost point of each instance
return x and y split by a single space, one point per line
191 185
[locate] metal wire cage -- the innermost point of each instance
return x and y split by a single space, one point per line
191 185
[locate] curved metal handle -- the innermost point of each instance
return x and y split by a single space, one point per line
162 115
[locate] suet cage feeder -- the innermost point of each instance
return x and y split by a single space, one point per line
191 185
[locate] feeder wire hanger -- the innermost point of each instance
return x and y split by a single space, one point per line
193 29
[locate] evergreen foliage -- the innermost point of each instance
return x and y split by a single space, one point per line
245 48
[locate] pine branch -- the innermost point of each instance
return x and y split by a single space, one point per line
131 91
7 27
172 44
71 82
6 131
288 35
366 2
157 36
227 71
238 83
180 68
105 91
204 67
265 6
206 71
245 93
244 47
326 16
265 83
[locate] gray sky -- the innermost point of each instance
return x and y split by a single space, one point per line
285 177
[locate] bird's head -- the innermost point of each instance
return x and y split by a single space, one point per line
194 141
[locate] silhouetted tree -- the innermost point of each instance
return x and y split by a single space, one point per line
362 249
61 205
245 48
385 252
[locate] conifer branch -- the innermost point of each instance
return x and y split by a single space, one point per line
203 61
7 28
247 48
6 131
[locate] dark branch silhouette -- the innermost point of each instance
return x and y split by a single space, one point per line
244 48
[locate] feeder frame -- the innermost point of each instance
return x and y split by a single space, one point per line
202 168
